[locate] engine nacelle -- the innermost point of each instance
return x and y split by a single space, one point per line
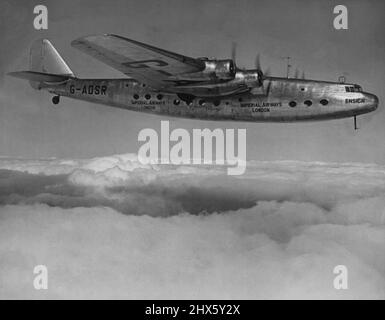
212 71
220 69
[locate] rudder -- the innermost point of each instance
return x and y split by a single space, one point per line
45 58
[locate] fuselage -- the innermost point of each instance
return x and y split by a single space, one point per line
277 100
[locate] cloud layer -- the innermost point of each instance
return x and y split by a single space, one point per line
113 228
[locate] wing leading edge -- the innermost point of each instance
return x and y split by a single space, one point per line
140 61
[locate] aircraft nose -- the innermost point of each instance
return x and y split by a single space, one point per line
375 101
372 101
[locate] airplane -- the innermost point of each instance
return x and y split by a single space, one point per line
166 83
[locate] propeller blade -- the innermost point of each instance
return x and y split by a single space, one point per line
258 62
268 88
303 75
233 51
267 72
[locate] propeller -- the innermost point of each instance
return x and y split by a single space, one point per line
258 66
258 62
261 74
234 52
234 47
303 75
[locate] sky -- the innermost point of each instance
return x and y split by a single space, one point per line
30 127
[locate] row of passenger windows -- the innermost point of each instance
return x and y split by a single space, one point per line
293 104
201 102
148 96
177 101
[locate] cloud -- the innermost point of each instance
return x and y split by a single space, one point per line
113 228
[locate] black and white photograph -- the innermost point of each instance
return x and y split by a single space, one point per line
186 150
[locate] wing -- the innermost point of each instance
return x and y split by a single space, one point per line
140 61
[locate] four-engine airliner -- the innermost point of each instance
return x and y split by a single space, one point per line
166 83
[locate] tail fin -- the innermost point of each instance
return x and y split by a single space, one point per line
44 58
46 66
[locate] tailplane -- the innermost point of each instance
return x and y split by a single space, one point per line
47 67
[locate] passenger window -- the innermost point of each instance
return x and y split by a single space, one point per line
308 103
292 104
324 102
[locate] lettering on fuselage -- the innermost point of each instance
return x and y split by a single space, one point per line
360 100
261 107
151 102
89 89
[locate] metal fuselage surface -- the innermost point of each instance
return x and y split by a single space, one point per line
276 100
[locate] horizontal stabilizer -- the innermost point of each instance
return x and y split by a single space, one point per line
39 76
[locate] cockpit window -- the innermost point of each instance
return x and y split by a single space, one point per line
355 88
